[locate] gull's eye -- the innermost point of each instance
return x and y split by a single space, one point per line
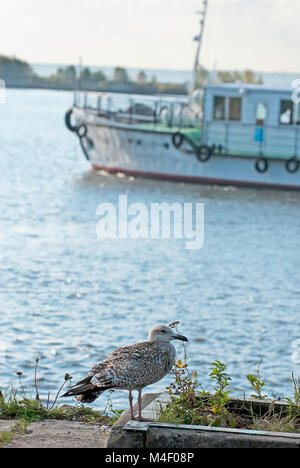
163 331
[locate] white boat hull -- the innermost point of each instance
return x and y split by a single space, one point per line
118 147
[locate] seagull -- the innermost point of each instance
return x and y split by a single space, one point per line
131 368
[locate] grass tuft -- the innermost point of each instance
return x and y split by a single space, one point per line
193 406
16 404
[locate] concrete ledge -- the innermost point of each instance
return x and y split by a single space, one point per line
121 438
135 434
51 433
158 435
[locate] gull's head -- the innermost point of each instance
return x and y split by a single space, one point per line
164 334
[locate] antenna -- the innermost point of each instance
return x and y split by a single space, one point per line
198 39
79 82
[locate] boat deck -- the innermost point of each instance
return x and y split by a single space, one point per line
192 134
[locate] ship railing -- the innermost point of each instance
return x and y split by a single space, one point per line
138 109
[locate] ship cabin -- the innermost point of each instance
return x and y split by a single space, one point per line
252 121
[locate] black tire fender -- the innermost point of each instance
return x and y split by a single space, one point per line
262 165
69 125
82 130
292 165
177 139
204 153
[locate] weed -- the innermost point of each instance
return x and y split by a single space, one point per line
115 415
296 384
20 427
190 405
16 404
6 437
256 383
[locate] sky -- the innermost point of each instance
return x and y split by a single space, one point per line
262 35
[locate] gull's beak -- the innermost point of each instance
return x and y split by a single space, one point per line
181 337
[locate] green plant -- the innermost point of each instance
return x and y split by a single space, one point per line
296 384
17 404
257 383
189 405
12 406
6 437
284 420
115 415
20 427
183 406
219 375
184 383
219 398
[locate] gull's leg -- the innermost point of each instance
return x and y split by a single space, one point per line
140 404
131 406
140 418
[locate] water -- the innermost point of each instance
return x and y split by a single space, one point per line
70 298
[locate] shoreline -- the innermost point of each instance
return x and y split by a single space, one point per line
124 88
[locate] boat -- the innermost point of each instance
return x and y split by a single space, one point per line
229 134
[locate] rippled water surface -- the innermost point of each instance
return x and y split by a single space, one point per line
70 298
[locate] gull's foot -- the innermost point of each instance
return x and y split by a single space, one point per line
142 419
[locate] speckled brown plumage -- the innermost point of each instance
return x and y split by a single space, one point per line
134 366
130 367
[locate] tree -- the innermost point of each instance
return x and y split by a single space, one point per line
250 77
60 74
70 73
120 75
11 67
153 80
247 76
99 76
66 74
141 78
202 77
86 75
228 77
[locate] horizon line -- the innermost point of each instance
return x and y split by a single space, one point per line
164 69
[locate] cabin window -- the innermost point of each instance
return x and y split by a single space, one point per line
219 108
286 112
235 108
261 114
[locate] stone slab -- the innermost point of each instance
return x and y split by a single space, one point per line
134 434
61 434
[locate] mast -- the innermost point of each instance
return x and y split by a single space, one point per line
199 41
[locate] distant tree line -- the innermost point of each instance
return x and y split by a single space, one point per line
11 67
120 75
14 68
70 75
246 76
19 73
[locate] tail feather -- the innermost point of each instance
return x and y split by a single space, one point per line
78 390
86 393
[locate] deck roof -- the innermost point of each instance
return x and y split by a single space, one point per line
249 87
